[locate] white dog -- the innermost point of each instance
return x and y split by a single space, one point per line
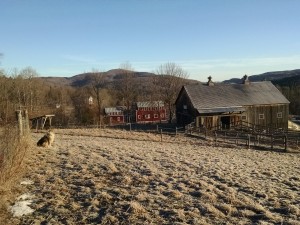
47 139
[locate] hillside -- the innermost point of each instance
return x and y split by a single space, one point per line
117 177
281 78
288 81
271 76
85 79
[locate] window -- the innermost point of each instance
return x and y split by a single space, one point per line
139 117
244 117
162 115
261 116
279 115
155 116
184 106
147 116
118 118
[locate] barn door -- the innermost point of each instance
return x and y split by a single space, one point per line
225 122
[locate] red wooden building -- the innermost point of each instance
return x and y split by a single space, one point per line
149 112
114 115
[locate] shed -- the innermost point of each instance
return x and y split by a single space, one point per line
114 115
215 105
40 122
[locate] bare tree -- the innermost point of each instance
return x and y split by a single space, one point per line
168 81
28 74
98 82
127 88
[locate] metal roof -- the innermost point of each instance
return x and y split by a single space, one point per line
233 96
112 110
150 104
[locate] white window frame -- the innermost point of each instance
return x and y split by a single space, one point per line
139 117
118 119
279 115
244 117
147 116
261 116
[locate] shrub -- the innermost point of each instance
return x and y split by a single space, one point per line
13 148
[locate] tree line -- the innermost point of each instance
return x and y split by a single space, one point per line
21 89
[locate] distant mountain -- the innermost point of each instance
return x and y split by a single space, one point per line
85 79
271 76
112 77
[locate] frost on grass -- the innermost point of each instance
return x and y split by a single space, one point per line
116 177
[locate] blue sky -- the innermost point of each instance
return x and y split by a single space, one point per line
221 38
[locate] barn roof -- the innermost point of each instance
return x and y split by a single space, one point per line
150 104
113 110
233 96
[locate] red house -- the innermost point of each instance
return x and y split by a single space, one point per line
150 112
114 115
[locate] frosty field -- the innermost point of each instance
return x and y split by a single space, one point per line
119 177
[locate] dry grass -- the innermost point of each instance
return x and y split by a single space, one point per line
118 177
12 153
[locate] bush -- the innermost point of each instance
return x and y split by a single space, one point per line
13 148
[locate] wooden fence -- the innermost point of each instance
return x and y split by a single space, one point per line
250 136
23 122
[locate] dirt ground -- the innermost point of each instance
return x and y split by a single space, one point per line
119 177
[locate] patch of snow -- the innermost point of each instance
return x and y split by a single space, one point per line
21 207
27 182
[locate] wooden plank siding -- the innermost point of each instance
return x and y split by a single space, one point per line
270 118
251 117
258 104
185 112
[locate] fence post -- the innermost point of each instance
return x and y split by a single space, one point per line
20 124
225 137
161 136
129 126
157 128
285 142
248 141
216 138
272 141
26 121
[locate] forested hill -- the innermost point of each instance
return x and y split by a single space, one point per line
290 87
86 79
271 76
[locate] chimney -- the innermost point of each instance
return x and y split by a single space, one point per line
210 82
245 80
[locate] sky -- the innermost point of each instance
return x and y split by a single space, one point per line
218 38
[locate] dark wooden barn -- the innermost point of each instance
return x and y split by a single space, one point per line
218 105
